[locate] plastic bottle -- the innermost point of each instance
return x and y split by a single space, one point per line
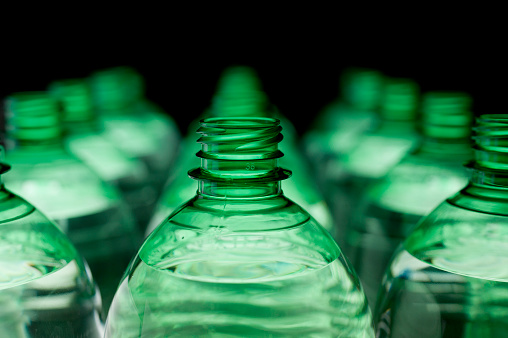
45 288
449 277
84 139
90 211
374 154
239 94
137 126
392 206
337 128
239 259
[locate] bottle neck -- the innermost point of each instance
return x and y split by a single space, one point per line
239 158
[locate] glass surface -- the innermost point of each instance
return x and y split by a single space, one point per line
45 288
136 126
84 139
239 259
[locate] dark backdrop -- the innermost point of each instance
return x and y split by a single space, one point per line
299 64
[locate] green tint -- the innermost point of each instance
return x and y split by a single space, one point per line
86 208
391 207
84 139
375 153
337 128
136 126
250 101
449 278
45 289
239 259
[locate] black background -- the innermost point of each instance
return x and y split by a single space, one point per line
299 56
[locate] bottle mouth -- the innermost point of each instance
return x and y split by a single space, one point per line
399 100
447 115
32 116
240 148
240 138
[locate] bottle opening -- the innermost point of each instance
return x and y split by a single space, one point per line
490 136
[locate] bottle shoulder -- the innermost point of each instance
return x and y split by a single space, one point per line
204 224
461 240
417 185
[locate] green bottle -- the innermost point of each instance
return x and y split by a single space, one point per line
136 126
449 277
239 259
84 139
374 154
337 128
392 206
90 211
45 288
238 94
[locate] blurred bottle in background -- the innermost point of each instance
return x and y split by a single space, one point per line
45 288
337 128
374 153
90 211
449 277
391 207
239 94
136 126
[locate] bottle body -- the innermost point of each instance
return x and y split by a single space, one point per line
235 272
392 207
45 287
89 211
448 278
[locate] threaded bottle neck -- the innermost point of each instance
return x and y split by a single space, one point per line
114 90
32 119
239 157
362 88
399 102
446 124
75 98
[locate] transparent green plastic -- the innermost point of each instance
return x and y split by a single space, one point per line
45 288
136 126
87 209
392 206
337 128
84 139
374 154
239 94
449 277
239 259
